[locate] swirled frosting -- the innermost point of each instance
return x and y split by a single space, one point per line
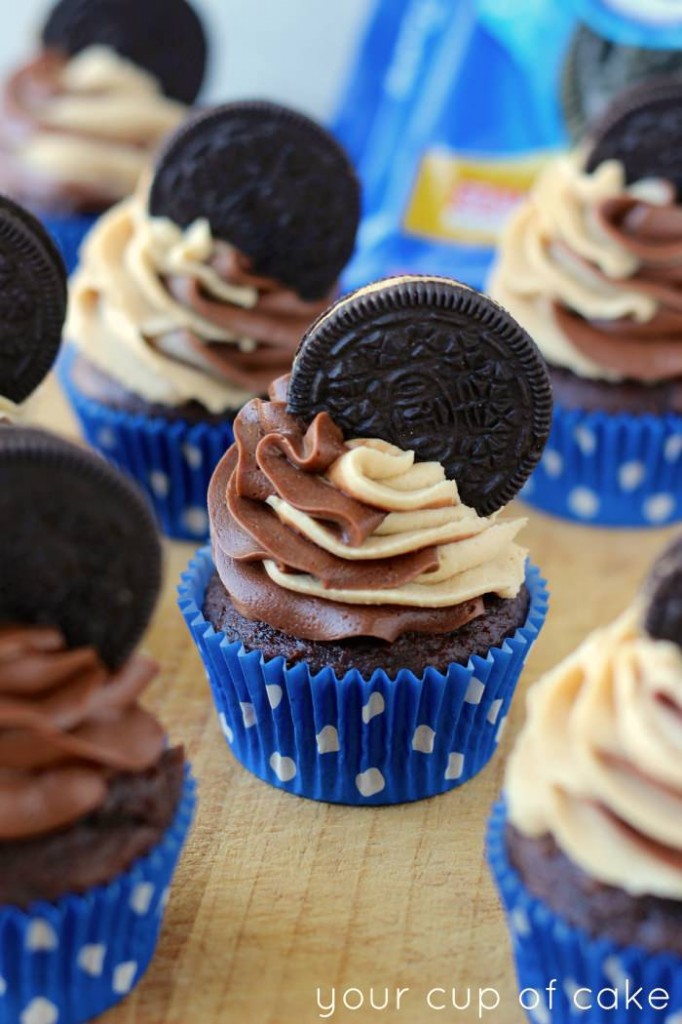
598 765
325 539
177 316
76 133
67 725
592 268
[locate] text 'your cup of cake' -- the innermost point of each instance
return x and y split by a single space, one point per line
192 296
364 614
591 265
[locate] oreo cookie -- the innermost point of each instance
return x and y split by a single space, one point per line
78 545
431 365
165 37
662 593
272 183
32 301
642 129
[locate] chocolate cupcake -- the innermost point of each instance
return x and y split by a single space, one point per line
81 118
193 295
590 265
364 615
587 848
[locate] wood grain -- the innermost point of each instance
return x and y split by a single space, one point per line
277 896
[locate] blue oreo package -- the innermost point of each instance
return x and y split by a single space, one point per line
452 108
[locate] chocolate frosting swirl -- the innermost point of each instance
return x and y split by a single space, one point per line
67 725
297 549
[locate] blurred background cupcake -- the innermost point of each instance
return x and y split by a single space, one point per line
586 848
591 265
82 116
365 615
193 295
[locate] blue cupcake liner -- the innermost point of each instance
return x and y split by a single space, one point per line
171 460
620 470
68 232
68 961
646 32
547 948
353 740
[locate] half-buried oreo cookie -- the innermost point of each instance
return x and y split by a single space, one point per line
431 365
78 545
272 183
643 129
663 595
165 37
32 301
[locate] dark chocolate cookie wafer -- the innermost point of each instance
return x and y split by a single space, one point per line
663 595
165 37
32 301
643 129
431 365
272 183
78 545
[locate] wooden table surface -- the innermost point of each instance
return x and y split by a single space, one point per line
278 897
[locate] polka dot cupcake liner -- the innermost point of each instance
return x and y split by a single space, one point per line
172 461
68 232
68 961
619 470
353 740
565 975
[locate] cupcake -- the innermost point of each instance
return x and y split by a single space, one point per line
364 615
192 296
81 117
591 266
586 847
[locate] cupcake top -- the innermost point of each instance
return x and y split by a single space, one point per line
200 286
591 262
598 765
81 117
362 498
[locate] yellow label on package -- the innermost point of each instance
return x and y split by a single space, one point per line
467 200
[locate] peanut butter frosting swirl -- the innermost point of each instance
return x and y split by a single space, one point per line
598 765
592 268
77 132
66 725
177 316
325 539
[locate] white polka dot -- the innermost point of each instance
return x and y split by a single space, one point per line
500 729
159 483
124 976
106 438
540 1014
553 462
583 502
3 986
193 455
41 936
519 922
141 897
585 440
374 706
475 691
274 693
227 732
455 766
658 508
631 475
40 1011
675 1018
370 783
327 740
672 449
494 711
91 959
527 488
195 521
423 739
615 972
163 902
249 716
571 986
283 767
